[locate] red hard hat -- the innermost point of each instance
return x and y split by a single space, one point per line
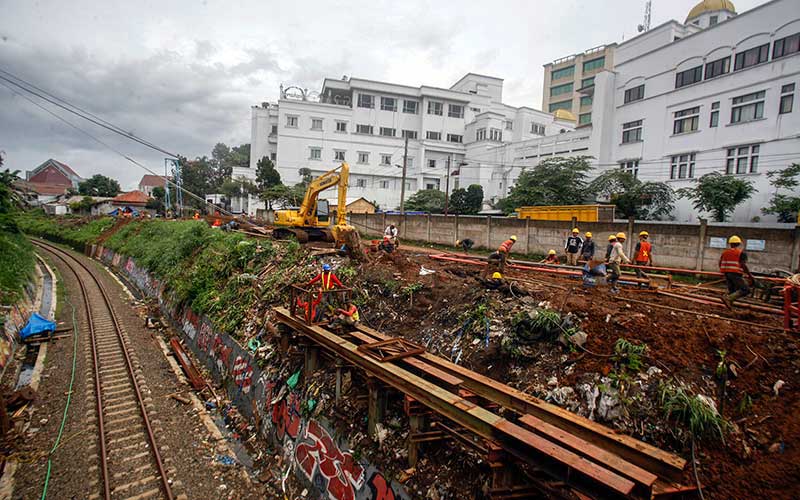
386 237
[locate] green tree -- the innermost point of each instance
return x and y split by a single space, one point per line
82 207
554 181
266 174
224 158
10 198
305 176
236 188
466 201
632 197
718 194
99 185
282 194
458 202
196 177
785 206
474 198
426 200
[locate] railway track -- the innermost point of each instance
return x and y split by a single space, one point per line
129 461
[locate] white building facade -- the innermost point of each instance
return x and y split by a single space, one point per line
365 123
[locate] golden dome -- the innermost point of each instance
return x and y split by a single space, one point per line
563 114
710 6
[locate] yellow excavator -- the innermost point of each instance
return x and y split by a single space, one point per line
312 220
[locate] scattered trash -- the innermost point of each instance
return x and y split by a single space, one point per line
225 460
423 271
777 387
292 381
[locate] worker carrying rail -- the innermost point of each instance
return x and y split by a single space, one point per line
497 260
733 264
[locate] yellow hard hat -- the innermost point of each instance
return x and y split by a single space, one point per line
513 237
612 237
734 239
458 242
644 233
576 230
620 235
497 276
588 234
552 252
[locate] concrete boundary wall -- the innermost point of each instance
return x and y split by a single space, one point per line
320 458
684 245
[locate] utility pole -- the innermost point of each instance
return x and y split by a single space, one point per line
447 187
403 185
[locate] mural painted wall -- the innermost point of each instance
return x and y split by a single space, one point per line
320 460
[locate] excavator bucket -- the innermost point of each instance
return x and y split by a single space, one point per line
348 236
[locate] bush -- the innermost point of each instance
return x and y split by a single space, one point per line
697 412
16 266
70 230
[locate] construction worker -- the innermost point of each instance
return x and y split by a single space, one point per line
326 279
391 232
733 264
612 238
572 247
196 216
616 258
497 260
348 316
587 250
552 258
643 254
495 282
386 245
310 311
466 244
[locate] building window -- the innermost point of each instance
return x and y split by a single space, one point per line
751 57
688 77
561 89
714 121
364 129
718 67
435 108
594 64
431 163
495 134
787 99
786 46
341 126
384 184
433 136
315 154
562 73
273 156
388 104
338 155
586 100
537 128
555 106
291 121
316 124
363 157
432 184
409 134
742 160
455 111
361 183
274 130
366 101
632 132
509 125
386 159
410 107
713 20
475 110
630 167
409 162
686 120
480 134
748 107
682 167
587 82
584 118
634 94
455 138
387 132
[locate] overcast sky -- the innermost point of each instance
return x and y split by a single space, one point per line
183 74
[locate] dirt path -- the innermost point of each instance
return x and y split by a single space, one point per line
189 450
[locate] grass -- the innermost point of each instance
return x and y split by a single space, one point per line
703 419
629 354
17 264
74 231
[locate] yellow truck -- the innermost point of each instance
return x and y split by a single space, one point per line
583 213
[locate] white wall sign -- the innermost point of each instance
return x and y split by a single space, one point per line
755 245
718 242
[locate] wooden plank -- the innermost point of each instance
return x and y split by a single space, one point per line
593 452
520 442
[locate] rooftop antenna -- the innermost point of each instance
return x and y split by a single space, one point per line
645 26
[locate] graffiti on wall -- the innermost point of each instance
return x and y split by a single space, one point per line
322 462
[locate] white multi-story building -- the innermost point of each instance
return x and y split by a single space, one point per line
365 123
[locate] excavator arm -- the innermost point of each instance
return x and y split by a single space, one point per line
308 209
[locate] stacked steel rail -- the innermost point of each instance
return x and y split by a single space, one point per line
130 461
573 452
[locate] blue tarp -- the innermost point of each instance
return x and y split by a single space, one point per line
36 324
116 212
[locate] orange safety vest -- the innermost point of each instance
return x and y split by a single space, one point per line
506 246
730 261
643 255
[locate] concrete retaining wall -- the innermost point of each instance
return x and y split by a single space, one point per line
690 246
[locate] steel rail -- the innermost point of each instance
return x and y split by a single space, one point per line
129 365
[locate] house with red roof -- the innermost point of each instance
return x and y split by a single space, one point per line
131 202
149 181
51 179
